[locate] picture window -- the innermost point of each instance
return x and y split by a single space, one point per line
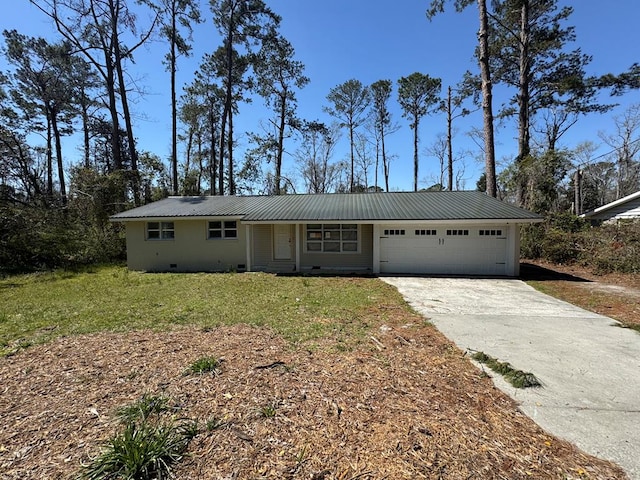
332 238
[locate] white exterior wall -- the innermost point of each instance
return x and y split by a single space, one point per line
626 211
189 251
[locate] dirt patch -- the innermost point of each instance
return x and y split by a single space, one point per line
402 404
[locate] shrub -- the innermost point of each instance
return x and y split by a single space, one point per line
567 239
559 247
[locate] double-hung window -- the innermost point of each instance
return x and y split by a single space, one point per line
332 238
160 231
220 229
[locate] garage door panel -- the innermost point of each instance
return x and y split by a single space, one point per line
452 250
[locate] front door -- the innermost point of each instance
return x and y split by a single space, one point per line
282 242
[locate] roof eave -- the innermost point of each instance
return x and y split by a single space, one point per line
611 205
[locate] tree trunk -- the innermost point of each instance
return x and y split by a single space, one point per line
223 126
85 131
199 184
187 165
487 101
351 187
56 133
115 123
212 153
415 153
127 121
174 113
232 183
281 128
449 142
385 165
577 189
49 156
228 107
375 179
523 104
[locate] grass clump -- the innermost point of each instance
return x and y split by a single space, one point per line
269 410
141 451
144 408
517 378
205 365
630 326
148 445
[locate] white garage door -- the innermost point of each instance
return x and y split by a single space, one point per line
450 249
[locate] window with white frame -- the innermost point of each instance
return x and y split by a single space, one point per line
222 229
332 238
160 231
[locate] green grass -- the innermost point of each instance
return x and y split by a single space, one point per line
204 365
38 307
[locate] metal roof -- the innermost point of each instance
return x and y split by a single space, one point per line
390 206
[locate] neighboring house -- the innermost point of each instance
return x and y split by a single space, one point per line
466 233
625 208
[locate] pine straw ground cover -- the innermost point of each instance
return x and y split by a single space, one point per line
399 402
615 295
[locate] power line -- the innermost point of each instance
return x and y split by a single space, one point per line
592 160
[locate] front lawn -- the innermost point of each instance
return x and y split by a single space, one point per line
35 308
250 376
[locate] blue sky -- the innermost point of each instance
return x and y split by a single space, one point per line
370 40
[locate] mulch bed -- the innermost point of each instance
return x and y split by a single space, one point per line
402 404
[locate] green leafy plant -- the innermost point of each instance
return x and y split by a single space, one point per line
517 378
269 410
142 409
148 445
142 451
204 365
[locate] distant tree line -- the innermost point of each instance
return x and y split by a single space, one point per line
55 203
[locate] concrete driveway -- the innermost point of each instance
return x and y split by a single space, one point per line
590 370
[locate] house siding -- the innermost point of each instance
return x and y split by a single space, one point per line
189 251
362 261
626 211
